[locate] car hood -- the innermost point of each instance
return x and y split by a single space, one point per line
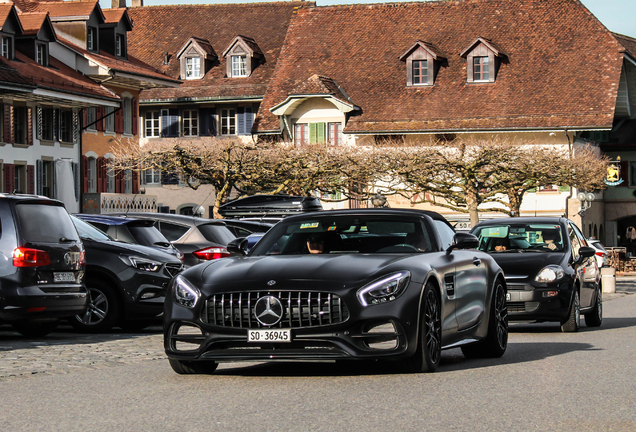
528 264
288 272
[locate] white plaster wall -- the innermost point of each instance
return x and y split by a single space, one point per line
175 196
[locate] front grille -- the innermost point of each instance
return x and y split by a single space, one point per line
174 269
522 306
517 287
300 309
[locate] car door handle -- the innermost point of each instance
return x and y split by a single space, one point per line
477 261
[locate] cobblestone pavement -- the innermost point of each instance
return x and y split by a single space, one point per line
64 351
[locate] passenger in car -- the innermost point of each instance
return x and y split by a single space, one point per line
501 244
316 244
551 239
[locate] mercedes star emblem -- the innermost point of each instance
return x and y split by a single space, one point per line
272 282
268 310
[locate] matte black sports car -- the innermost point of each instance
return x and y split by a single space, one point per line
351 284
550 269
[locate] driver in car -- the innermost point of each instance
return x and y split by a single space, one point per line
551 239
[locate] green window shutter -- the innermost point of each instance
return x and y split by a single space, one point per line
321 133
312 133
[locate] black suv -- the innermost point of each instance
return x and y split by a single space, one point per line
126 282
41 264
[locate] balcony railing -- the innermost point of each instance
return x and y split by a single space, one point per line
104 203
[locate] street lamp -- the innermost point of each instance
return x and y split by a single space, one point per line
586 199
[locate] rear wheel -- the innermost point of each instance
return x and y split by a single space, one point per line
429 347
573 321
193 367
496 342
594 318
102 312
35 328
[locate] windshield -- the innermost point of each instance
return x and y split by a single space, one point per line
520 238
346 234
88 231
45 223
148 235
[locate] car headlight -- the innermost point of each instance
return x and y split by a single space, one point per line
185 294
385 289
139 263
549 274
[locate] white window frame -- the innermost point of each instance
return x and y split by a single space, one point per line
301 133
151 176
110 179
193 67
152 124
128 186
228 121
7 45
337 140
91 170
41 54
119 45
190 119
109 120
91 116
91 38
239 66
128 116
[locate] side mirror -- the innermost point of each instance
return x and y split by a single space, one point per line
463 240
238 246
587 251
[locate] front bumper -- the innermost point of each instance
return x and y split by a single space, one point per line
41 302
530 302
386 331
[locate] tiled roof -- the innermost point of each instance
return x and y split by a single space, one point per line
9 75
59 77
5 8
628 42
32 22
160 29
59 9
561 69
113 16
131 65
319 85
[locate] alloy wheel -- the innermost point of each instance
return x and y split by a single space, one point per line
501 316
97 308
433 327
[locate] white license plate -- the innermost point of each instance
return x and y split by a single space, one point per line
63 277
269 335
507 296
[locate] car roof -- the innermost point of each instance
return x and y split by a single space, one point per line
523 220
191 220
107 219
30 197
368 211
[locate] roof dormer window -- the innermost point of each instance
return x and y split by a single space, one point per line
91 39
422 63
41 54
196 57
193 67
243 56
483 59
120 45
7 47
239 66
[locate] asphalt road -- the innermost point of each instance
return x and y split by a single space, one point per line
547 380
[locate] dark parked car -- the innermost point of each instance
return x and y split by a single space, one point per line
131 230
41 264
242 228
126 282
550 269
199 239
269 205
389 284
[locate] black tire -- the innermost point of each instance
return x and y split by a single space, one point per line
103 310
594 318
429 347
35 328
573 321
193 367
496 341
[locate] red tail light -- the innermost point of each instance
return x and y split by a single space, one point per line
211 253
25 257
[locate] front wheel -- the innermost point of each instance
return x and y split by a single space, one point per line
594 318
102 312
496 342
193 367
573 321
429 347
